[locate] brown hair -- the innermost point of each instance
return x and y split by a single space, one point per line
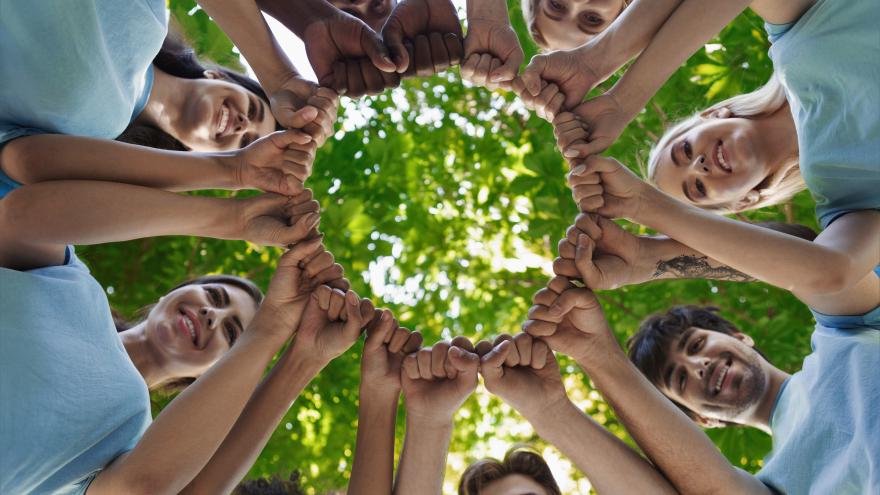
529 8
518 460
122 324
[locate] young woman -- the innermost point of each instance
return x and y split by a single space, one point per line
521 471
566 24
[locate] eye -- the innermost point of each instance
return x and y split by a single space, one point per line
246 140
252 109
213 295
701 188
695 346
682 381
231 334
594 20
556 5
688 151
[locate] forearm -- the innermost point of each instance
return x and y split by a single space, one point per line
669 259
789 262
690 26
94 212
243 22
670 439
632 31
492 10
265 409
48 157
423 460
610 465
176 447
297 19
373 468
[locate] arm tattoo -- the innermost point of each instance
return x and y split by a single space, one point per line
687 266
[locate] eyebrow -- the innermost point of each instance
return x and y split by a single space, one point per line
261 108
672 155
225 295
238 324
687 194
547 13
682 342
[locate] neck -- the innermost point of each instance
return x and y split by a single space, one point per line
780 139
143 355
163 109
762 415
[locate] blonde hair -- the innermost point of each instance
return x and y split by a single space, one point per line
761 103
529 7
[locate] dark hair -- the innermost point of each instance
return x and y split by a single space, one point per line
244 284
518 460
649 347
179 60
271 486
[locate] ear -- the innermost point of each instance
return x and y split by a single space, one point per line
749 200
716 113
745 339
213 74
708 422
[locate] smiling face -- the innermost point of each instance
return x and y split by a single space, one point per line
719 162
566 24
513 484
221 116
372 12
716 375
192 326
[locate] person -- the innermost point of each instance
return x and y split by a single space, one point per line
522 470
524 373
715 375
566 24
374 13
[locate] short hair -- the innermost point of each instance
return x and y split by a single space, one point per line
271 486
529 8
521 460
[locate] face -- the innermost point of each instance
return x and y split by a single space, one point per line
566 24
193 326
719 376
221 116
372 12
722 161
513 484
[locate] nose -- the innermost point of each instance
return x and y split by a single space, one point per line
241 122
700 166
698 366
210 317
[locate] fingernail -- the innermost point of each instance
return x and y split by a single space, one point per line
580 169
496 78
387 60
351 298
570 153
582 240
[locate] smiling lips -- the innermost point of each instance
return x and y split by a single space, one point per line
189 327
719 378
720 158
223 120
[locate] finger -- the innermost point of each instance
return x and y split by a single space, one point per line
439 54
539 312
579 176
483 347
337 303
411 366
540 353
399 338
469 67
554 106
302 197
299 118
356 85
372 77
592 148
571 299
300 230
323 294
438 359
379 330
492 361
564 124
544 297
338 283
583 260
523 342
390 79
481 75
376 51
592 204
513 354
340 77
411 50
330 275
591 224
586 190
559 284
462 361
464 343
359 312
319 263
565 267
509 69
424 358
413 343
565 249
299 209
544 98
454 47
538 328
283 139
422 58
392 34
533 73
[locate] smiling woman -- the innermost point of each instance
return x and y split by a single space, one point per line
189 329
567 24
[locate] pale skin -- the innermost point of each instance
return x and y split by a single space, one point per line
833 273
385 347
669 438
529 380
492 54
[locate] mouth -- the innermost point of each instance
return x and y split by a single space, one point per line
223 120
189 327
719 156
718 378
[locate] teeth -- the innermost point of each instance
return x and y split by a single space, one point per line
224 119
720 157
190 327
720 379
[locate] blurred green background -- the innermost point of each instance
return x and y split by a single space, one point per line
444 202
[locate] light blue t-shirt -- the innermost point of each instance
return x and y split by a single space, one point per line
826 424
829 64
71 400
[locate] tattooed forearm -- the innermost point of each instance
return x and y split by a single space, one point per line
688 266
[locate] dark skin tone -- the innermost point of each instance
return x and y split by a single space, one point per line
434 31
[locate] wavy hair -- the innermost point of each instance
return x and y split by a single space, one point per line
521 460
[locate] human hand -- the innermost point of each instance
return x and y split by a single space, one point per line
386 345
492 53
436 380
275 220
432 28
602 254
292 103
279 163
331 323
570 320
524 373
603 185
348 56
602 120
571 71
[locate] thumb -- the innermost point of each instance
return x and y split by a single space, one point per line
507 71
376 51
531 76
584 150
392 34
283 139
357 314
464 362
296 119
491 363
583 261
569 300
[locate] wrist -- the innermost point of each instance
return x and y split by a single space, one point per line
654 205
377 389
435 420
231 169
601 357
554 414
487 10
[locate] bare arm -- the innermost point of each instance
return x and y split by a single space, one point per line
188 432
